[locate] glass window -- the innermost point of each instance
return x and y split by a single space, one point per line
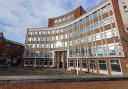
84 64
102 65
76 42
100 50
90 39
87 19
70 43
85 40
50 62
71 63
66 44
39 32
115 65
51 45
46 62
55 21
115 32
106 21
112 50
92 64
82 51
57 38
108 33
82 40
95 15
53 32
98 36
66 35
96 25
70 53
49 32
78 63
30 39
105 9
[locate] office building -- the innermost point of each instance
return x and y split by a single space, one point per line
94 41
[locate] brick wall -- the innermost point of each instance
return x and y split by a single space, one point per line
119 20
122 84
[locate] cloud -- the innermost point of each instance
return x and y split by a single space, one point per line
18 15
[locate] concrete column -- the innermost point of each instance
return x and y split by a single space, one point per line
58 58
63 59
28 63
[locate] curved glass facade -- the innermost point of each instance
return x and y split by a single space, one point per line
94 35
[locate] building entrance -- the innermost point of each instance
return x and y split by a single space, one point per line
60 59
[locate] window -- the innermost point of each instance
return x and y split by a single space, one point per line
55 21
115 66
100 50
84 64
108 20
104 10
92 64
33 46
82 51
71 53
46 62
70 43
89 39
90 51
94 14
112 50
87 19
50 62
49 32
66 35
102 65
98 36
31 33
125 7
30 39
115 32
78 63
108 33
59 20
66 44
82 40
53 32
96 25
71 63
57 38
76 42
120 49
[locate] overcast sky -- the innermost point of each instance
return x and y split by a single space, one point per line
18 15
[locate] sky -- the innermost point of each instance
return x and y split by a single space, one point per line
18 15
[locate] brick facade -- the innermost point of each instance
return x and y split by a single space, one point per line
10 52
76 14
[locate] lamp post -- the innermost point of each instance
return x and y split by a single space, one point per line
58 45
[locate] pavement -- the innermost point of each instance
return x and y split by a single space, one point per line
15 71
23 75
